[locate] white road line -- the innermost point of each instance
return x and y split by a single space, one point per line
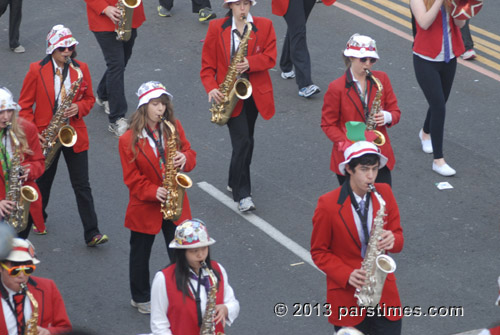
263 225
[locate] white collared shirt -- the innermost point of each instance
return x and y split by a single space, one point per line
358 223
160 324
57 82
10 318
235 40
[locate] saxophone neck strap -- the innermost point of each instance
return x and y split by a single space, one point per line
363 217
196 294
5 155
157 139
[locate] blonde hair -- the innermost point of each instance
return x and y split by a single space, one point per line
138 122
446 3
20 134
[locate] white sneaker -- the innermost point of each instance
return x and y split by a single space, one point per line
288 75
19 49
246 204
142 307
119 127
469 54
229 188
309 91
103 103
426 144
444 170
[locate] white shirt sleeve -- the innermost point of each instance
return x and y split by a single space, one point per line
159 306
387 117
233 306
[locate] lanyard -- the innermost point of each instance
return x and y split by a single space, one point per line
196 294
158 143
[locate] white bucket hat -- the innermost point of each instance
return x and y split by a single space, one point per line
151 90
360 46
22 251
59 36
226 2
359 149
191 234
7 100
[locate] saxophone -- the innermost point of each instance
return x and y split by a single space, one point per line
233 88
21 195
370 120
59 132
175 182
376 263
123 28
208 324
31 324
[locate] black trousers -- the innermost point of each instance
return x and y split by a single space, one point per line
241 130
140 252
295 53
466 36
111 88
197 4
79 176
383 176
378 325
435 79
15 16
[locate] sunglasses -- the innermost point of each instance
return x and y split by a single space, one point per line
71 48
364 59
15 271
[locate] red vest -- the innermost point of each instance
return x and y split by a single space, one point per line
495 331
182 313
429 42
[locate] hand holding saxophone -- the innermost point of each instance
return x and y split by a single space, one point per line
386 241
243 66
357 278
6 206
221 314
215 95
71 111
113 13
179 160
161 194
42 331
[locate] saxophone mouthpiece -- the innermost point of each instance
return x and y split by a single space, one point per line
371 188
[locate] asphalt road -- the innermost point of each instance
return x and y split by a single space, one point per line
451 237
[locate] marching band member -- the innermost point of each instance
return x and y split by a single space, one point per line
179 300
295 54
16 269
103 16
342 224
221 43
435 62
33 160
44 89
143 153
351 98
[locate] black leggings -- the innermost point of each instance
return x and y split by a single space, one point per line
435 79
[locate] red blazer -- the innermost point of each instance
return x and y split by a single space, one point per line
38 89
100 22
342 104
216 58
280 7
336 249
36 163
181 312
143 177
429 42
51 311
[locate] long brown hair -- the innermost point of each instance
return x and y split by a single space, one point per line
429 3
138 122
